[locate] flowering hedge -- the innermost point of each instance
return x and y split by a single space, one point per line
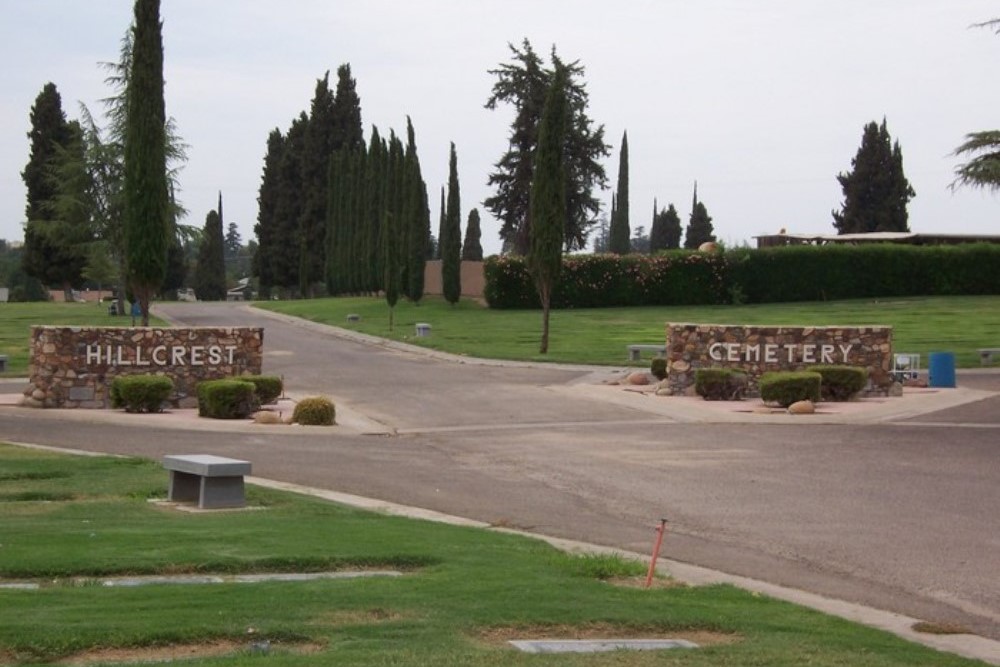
744 275
596 281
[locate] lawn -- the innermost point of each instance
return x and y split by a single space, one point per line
67 521
599 335
16 320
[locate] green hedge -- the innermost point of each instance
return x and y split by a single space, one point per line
787 387
840 383
140 393
596 281
227 399
720 384
267 387
767 275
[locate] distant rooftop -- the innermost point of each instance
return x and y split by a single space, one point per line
782 239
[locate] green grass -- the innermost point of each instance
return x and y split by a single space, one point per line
16 320
461 585
599 335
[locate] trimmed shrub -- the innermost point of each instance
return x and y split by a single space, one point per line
785 388
658 367
315 411
227 399
720 384
840 383
268 387
140 393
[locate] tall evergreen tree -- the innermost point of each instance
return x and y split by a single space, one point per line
472 248
441 223
320 144
148 219
657 235
417 218
672 228
233 242
266 228
876 191
524 83
620 225
210 275
451 236
375 173
286 258
57 222
699 228
548 200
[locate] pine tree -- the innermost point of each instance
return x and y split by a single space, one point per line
699 228
524 83
876 191
620 224
451 236
472 248
148 218
548 201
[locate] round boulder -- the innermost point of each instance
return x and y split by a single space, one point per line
638 378
802 408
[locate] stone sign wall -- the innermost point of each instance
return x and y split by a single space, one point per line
757 350
72 367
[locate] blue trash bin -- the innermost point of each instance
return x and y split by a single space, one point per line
941 369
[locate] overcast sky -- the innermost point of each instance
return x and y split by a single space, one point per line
762 102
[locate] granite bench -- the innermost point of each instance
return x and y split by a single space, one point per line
634 351
213 481
986 355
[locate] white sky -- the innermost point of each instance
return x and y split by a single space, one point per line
761 102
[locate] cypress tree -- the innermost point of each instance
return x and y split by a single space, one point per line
472 248
59 205
876 191
147 203
441 223
374 175
417 220
548 200
699 228
672 228
620 225
319 146
451 237
657 235
210 275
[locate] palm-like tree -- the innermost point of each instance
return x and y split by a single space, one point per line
983 168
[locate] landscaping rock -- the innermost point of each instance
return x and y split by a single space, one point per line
895 390
638 378
802 408
267 417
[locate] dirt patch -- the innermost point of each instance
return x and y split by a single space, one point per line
927 628
503 634
640 582
170 653
359 617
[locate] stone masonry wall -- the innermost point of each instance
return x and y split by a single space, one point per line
72 367
757 350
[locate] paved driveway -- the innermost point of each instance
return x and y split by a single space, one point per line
904 517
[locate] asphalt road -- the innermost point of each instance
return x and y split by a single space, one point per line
903 516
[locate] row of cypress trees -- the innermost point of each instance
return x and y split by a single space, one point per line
336 215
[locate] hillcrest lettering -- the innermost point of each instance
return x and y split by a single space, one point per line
161 355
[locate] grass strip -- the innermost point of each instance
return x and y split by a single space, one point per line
472 587
600 335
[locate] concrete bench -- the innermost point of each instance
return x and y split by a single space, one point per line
986 355
634 351
423 329
212 481
3 363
